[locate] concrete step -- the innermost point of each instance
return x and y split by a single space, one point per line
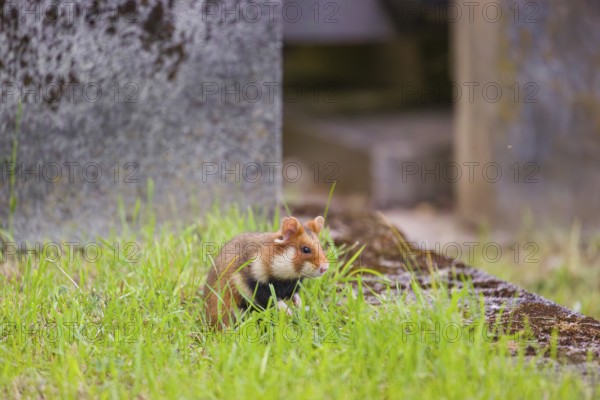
382 160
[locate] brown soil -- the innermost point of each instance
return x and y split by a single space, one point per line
387 252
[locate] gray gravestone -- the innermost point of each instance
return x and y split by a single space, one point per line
119 96
528 131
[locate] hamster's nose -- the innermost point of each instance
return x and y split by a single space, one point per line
323 267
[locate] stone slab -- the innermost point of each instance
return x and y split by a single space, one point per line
381 157
122 97
541 131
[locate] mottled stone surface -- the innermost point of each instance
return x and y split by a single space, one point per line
543 131
172 92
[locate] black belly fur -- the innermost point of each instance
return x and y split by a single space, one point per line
262 291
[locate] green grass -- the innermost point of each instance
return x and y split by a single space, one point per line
132 329
561 267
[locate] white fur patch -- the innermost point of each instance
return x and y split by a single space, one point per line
283 264
297 300
309 270
284 307
259 270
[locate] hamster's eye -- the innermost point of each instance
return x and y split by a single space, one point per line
306 250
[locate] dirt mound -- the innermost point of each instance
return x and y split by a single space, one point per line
507 306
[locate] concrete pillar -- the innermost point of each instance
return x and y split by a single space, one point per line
532 115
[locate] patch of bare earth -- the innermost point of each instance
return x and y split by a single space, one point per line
507 306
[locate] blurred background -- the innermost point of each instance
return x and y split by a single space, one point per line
470 124
368 98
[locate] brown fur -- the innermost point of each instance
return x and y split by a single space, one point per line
260 257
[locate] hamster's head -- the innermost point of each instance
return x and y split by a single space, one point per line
299 253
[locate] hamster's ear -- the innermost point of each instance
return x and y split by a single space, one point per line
316 224
290 227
